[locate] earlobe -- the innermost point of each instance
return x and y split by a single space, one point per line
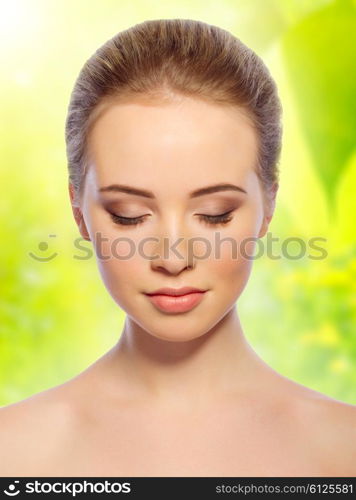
78 214
270 211
264 226
83 229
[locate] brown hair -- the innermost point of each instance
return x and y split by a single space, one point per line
160 58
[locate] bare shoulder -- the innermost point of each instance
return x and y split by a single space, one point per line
328 411
34 430
330 427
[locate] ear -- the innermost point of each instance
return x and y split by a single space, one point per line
78 214
270 203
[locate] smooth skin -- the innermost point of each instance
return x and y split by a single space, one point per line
180 394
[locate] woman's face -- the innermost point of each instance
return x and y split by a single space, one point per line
175 239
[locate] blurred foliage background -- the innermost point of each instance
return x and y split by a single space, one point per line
56 317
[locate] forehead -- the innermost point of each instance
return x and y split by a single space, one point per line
185 143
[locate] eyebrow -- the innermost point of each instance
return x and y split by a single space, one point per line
148 194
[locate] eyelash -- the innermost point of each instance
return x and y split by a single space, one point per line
211 220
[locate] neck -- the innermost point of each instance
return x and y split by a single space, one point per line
218 363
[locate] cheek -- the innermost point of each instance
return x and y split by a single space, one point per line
113 246
117 257
229 276
231 267
235 244
121 278
231 261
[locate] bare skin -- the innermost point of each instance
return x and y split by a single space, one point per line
98 425
179 394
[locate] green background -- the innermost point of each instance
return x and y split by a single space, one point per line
56 317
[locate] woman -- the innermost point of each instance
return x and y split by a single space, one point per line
173 137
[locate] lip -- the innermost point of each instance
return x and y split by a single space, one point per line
175 291
179 302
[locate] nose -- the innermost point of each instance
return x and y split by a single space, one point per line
172 255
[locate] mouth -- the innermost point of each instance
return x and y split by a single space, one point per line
176 291
176 303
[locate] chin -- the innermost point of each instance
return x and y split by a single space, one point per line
176 331
179 337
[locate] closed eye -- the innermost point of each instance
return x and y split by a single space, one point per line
127 221
216 219
208 219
